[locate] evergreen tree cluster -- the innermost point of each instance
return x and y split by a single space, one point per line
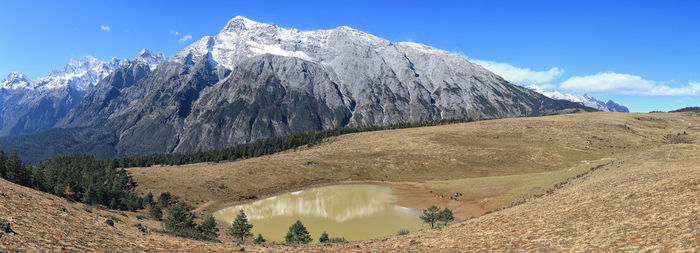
180 222
266 146
82 178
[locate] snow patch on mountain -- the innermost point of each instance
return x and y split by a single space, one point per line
585 99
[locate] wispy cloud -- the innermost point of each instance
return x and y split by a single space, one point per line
185 38
174 33
520 76
105 28
626 84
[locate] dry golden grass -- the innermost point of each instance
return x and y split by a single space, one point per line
649 202
480 151
645 197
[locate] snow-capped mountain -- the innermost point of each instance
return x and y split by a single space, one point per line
15 81
81 74
255 80
28 106
585 99
149 58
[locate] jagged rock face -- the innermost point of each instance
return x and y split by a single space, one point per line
254 80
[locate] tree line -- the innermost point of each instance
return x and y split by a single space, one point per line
267 146
81 178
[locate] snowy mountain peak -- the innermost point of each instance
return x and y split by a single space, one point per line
150 58
585 99
80 74
243 23
16 80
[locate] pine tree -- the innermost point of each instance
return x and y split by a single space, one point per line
179 218
323 238
298 234
430 215
3 159
165 199
148 199
156 212
208 228
446 216
14 170
240 228
259 239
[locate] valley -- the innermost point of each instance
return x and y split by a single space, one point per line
253 136
628 174
492 162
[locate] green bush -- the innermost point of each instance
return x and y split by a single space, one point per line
403 232
323 238
165 199
298 234
156 212
259 239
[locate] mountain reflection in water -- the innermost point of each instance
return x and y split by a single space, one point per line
340 209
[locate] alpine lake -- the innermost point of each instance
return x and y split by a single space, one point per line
351 211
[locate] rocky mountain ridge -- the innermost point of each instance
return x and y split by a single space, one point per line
255 80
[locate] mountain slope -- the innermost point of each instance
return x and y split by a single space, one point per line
254 80
28 106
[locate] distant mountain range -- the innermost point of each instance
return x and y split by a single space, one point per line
585 99
29 106
252 81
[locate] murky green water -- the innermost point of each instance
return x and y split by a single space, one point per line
356 212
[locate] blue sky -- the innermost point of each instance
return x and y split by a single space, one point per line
643 54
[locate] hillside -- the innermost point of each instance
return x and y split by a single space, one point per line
506 158
648 200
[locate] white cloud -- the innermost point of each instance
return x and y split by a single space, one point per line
616 83
105 28
174 33
520 76
185 38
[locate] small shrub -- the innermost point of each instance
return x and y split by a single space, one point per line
260 239
156 212
403 232
323 238
337 240
139 217
678 139
165 199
